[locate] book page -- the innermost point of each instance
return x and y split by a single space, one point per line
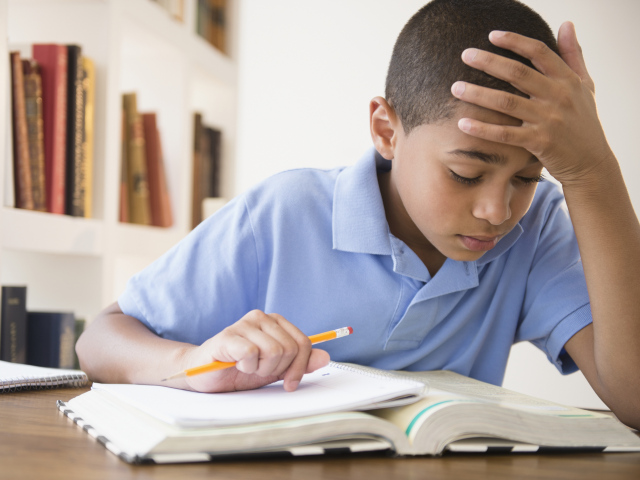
330 389
448 383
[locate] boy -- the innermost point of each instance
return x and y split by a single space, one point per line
438 248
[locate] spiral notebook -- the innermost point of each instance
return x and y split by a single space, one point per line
15 377
336 387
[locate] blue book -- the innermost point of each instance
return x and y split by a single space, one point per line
51 339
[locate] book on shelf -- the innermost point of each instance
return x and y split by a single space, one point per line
88 96
9 190
175 8
51 339
79 327
53 61
75 169
206 166
338 408
160 202
211 22
35 131
137 180
124 173
21 159
13 324
53 102
16 377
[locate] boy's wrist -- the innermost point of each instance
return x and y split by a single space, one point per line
592 177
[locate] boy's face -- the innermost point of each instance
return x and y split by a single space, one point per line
456 195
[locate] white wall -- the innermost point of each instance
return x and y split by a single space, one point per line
308 70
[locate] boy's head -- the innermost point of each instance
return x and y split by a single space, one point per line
449 194
426 57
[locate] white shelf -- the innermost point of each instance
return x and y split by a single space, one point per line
81 264
25 231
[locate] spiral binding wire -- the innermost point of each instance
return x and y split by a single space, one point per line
18 384
386 374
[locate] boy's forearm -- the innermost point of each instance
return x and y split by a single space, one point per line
117 348
608 236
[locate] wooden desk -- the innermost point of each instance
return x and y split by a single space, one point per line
38 442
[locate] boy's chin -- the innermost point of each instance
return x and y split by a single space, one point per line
464 256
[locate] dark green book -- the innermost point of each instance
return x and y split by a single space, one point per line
13 324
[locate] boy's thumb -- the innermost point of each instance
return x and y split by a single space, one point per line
571 52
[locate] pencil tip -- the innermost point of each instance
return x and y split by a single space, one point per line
176 375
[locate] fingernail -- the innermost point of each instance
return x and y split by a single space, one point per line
458 88
496 34
464 124
470 54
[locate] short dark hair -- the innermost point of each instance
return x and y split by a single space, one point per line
426 57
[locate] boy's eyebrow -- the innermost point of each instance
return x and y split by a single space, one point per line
490 158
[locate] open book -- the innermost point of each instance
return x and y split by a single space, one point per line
456 414
15 377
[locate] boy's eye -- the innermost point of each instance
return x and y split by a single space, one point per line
464 180
532 180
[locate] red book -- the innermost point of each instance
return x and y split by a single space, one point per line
53 61
158 193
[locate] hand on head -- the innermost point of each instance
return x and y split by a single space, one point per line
560 123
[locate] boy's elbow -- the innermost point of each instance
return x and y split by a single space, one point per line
630 415
90 347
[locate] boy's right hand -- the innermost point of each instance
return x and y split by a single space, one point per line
266 347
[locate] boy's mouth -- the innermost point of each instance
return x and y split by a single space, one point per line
479 243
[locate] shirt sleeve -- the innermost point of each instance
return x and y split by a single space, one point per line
206 282
556 304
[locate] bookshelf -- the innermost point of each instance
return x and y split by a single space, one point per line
81 264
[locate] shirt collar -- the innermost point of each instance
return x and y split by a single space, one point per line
359 221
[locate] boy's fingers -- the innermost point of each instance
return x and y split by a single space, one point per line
504 102
317 359
571 52
494 133
298 365
276 347
524 78
541 56
245 352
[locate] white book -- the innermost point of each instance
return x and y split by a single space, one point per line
454 413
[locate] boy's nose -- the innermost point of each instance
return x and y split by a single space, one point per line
493 206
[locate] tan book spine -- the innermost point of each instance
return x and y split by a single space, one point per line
35 129
74 202
138 190
89 88
21 160
124 172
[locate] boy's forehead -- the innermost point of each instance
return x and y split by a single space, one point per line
447 137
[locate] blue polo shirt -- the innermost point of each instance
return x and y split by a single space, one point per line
314 246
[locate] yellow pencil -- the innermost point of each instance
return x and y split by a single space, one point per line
210 367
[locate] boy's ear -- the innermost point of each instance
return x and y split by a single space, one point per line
384 125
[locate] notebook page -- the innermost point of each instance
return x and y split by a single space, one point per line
10 371
330 389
